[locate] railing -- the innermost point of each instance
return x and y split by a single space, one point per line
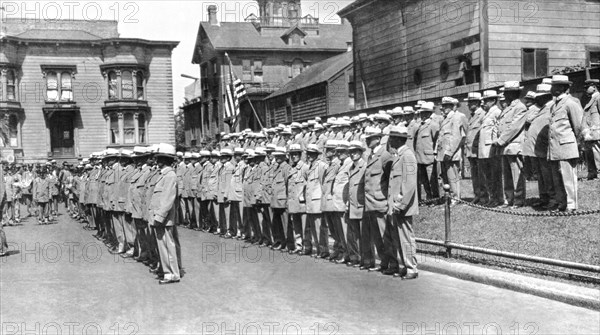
281 21
262 88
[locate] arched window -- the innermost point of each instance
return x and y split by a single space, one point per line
13 130
114 129
11 93
127 85
128 129
139 80
142 128
52 86
66 89
112 85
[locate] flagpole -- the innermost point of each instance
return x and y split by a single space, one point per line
249 101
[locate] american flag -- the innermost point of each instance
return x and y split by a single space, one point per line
234 91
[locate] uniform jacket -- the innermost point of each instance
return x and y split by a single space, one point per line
209 182
136 192
26 182
92 190
279 179
249 184
296 186
153 177
412 128
377 177
10 188
41 190
196 176
188 180
451 136
535 138
314 186
425 139
356 190
511 125
473 128
263 181
565 125
123 187
488 133
591 119
163 198
403 183
328 182
181 170
340 187
236 187
225 174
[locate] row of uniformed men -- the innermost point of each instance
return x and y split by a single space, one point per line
364 197
130 198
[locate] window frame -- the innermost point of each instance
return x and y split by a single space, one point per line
535 51
117 137
60 71
119 83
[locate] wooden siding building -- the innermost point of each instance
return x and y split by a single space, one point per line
321 90
266 52
69 88
427 49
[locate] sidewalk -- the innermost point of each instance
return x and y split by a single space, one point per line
566 293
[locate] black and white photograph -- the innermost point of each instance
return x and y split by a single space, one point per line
301 167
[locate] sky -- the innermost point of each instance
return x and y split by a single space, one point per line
160 20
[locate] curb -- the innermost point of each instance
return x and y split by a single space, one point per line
570 294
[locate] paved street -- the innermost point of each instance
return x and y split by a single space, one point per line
61 280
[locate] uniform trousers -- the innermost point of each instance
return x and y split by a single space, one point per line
169 251
451 176
211 214
316 232
297 226
592 153
264 221
353 238
129 229
513 179
252 228
141 238
544 179
3 242
334 223
428 179
405 246
492 178
198 213
478 185
564 177
183 211
119 229
376 234
236 218
280 224
224 214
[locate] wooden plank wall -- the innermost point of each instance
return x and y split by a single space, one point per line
565 28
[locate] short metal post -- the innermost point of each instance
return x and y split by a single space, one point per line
447 219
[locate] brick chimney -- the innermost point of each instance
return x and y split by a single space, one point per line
212 15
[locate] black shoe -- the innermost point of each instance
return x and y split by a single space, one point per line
376 269
410 276
165 282
390 272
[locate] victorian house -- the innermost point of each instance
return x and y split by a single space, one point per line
266 52
70 88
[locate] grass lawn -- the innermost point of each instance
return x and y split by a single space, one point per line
575 238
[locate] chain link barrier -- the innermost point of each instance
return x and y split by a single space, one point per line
520 213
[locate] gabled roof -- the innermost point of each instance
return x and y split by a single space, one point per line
320 72
40 34
292 29
244 35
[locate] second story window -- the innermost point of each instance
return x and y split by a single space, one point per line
127 85
59 82
246 70
11 94
125 82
